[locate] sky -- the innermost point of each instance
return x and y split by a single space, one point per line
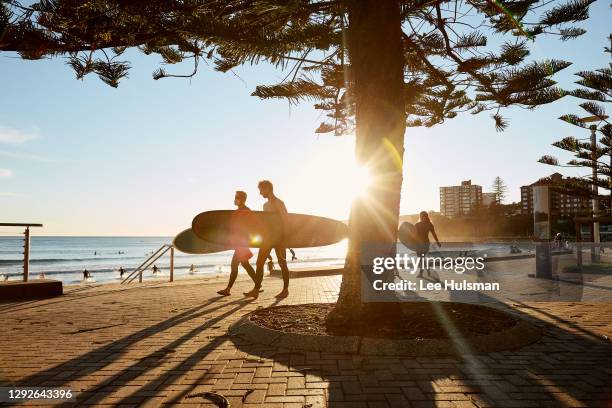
143 159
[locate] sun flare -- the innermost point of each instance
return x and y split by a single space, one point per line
360 180
331 180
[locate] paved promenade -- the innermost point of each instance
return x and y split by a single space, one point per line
158 344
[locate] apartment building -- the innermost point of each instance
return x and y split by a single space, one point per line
459 200
562 205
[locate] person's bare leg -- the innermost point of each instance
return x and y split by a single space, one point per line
249 270
420 255
232 277
262 255
282 262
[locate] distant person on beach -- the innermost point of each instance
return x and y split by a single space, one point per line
558 241
270 262
121 271
242 253
86 274
155 269
192 269
514 249
423 228
274 205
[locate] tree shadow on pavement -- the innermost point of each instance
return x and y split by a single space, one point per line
105 356
569 367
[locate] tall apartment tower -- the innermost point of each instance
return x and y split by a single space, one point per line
458 200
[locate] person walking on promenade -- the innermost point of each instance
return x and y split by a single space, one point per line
423 228
273 205
242 253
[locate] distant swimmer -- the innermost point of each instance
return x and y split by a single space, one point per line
242 253
273 205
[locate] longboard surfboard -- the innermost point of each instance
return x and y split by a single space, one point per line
258 229
407 235
190 243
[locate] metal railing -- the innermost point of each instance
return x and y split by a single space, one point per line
149 261
26 244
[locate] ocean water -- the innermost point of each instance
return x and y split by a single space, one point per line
65 258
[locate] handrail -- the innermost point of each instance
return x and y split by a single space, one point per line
142 264
154 257
26 244
145 265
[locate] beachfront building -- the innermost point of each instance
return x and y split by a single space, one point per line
459 200
489 198
561 205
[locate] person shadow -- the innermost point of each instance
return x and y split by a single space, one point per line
83 367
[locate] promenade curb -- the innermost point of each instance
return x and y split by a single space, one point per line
515 337
34 289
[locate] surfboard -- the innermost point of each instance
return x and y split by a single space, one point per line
257 229
407 235
190 243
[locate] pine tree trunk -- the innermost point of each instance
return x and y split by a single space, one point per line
376 72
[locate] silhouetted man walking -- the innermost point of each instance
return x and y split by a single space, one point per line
273 205
242 254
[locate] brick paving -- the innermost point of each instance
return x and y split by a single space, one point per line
156 344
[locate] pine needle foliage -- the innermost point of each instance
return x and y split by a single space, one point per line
449 66
596 89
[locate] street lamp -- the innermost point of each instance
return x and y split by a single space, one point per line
595 201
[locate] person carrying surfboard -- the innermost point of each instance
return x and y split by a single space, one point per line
242 254
273 205
422 230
